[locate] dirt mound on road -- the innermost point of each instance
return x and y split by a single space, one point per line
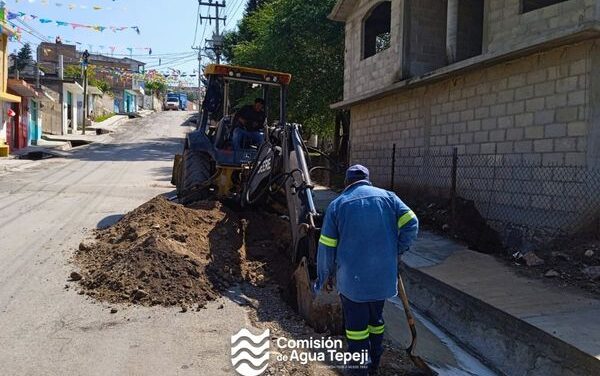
166 254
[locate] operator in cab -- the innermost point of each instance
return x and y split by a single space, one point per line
249 121
365 231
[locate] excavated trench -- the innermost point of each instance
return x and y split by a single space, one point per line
163 253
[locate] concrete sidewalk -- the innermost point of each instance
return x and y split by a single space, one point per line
520 326
466 300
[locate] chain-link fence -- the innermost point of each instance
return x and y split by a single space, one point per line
509 193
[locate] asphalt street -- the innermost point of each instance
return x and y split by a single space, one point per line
45 211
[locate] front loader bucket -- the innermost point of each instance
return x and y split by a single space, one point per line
323 313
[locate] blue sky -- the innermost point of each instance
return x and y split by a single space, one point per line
165 26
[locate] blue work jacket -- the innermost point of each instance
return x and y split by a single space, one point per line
364 231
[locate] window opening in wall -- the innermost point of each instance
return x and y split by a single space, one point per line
425 37
531 5
469 31
377 29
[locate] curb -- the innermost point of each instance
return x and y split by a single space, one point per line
509 344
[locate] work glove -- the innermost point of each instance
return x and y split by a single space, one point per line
315 288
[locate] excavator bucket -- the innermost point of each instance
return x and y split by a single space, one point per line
323 312
176 175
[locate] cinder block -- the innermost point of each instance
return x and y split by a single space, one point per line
487 124
553 159
556 100
543 146
576 98
544 117
535 104
482 136
524 120
555 130
505 147
497 135
488 148
524 92
514 134
544 89
534 132
506 122
575 159
566 114
565 144
577 128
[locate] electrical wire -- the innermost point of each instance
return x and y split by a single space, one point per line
168 62
235 13
197 23
230 8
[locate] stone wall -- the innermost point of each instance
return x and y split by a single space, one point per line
537 110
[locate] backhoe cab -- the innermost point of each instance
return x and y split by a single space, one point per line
211 165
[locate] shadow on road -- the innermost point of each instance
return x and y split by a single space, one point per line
109 221
161 149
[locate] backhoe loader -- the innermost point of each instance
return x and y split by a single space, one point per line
211 166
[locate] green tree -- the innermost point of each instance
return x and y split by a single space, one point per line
22 58
295 36
155 82
75 72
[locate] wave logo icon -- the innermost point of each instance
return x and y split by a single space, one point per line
250 353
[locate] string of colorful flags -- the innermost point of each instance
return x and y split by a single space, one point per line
71 6
27 17
96 47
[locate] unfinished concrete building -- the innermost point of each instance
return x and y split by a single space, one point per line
512 85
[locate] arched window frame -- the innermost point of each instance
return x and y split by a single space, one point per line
376 36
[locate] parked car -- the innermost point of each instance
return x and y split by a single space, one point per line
172 103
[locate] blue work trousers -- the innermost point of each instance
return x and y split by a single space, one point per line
364 331
242 137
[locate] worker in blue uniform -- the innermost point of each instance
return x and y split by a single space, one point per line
365 231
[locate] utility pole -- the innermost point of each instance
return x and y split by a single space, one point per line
217 41
84 63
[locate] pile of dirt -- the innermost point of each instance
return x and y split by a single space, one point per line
163 253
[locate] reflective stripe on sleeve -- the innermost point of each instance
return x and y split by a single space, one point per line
376 329
330 242
357 335
406 217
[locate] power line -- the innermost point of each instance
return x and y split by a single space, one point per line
230 8
164 63
197 23
235 13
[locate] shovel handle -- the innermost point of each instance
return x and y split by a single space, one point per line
407 311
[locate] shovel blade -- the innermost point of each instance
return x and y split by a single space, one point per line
323 312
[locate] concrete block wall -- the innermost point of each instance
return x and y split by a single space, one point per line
508 29
426 50
535 110
505 29
380 70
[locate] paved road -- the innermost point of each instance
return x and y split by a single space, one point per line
45 211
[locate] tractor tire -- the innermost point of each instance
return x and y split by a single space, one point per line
196 171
